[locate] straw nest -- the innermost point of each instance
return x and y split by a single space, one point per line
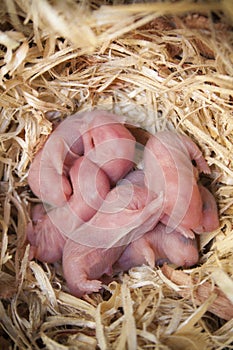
162 65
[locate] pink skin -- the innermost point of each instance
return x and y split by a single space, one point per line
209 216
101 132
110 145
49 231
124 216
84 266
136 177
195 154
51 164
170 155
46 240
158 246
210 220
90 187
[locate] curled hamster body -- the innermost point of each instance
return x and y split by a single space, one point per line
90 253
168 160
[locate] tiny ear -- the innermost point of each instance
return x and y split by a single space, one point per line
58 147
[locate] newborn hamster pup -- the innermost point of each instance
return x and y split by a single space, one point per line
170 155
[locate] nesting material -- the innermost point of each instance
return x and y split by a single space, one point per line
164 65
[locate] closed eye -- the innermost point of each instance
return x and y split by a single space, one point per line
92 142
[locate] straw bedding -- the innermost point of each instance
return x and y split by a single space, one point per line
164 65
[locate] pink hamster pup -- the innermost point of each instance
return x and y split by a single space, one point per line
157 246
90 187
109 144
49 169
168 167
210 219
98 134
124 216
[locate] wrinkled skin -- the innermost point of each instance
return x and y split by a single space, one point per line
49 169
97 133
84 266
136 177
209 216
210 219
90 226
109 144
157 246
49 230
171 155
90 187
46 240
124 216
